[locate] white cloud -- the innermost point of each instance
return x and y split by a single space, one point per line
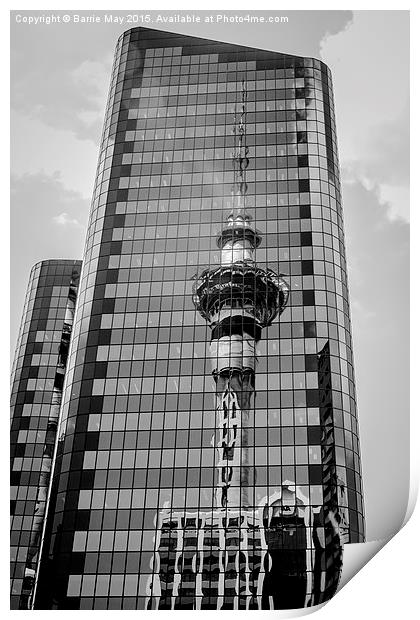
398 198
90 117
395 197
39 148
93 78
42 146
64 220
371 88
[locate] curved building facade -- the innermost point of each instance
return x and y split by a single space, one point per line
37 383
136 512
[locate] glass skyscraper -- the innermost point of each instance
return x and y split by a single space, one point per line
37 384
207 453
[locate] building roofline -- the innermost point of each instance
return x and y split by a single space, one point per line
49 261
203 39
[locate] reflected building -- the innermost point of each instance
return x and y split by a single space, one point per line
207 453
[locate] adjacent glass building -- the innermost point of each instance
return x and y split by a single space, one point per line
134 521
37 383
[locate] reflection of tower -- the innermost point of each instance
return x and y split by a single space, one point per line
219 559
237 299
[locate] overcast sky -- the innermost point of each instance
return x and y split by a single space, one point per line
60 77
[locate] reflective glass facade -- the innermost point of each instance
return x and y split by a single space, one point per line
133 522
37 382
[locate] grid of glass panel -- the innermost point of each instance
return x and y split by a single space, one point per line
138 417
33 378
